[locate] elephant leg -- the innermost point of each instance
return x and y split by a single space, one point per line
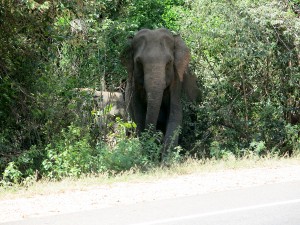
175 119
139 113
135 106
129 99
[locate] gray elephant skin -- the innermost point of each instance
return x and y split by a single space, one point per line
104 99
113 99
157 65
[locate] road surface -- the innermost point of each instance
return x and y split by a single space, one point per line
272 204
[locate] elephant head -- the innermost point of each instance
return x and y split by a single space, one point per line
156 62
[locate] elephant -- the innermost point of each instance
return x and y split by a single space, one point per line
107 102
105 105
157 65
104 99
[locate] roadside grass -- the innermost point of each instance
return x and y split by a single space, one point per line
188 166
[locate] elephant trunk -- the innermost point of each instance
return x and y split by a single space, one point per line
155 85
153 107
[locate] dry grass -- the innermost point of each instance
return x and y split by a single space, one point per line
190 166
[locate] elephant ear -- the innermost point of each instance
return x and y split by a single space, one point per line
190 86
181 56
127 58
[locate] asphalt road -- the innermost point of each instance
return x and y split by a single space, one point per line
276 204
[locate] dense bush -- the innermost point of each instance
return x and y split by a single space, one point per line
246 55
72 155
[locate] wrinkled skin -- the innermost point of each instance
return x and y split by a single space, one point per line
157 62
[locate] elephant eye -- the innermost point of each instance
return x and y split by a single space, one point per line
139 65
138 60
169 63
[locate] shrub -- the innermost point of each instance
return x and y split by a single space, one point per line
130 152
70 155
11 175
245 54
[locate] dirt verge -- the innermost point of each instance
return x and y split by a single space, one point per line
103 196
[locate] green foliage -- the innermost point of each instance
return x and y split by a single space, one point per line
11 175
69 156
293 138
258 147
24 169
135 152
244 53
153 14
72 155
126 154
151 145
